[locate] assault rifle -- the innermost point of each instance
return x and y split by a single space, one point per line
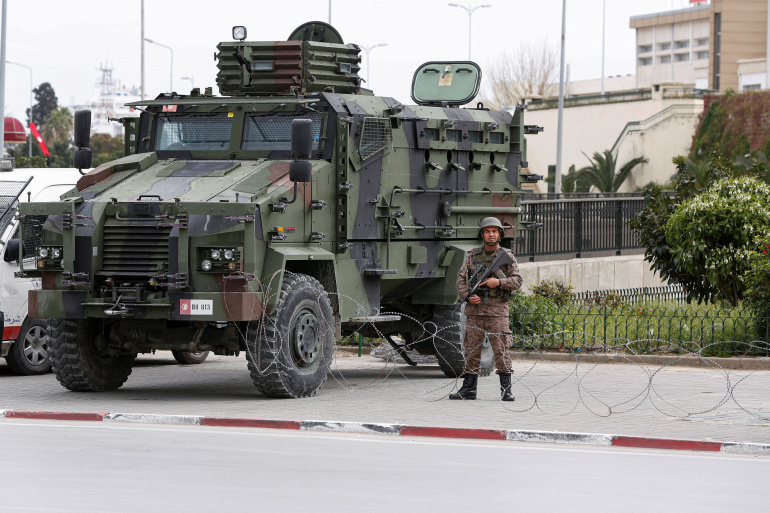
485 272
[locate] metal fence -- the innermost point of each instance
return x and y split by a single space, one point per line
575 227
706 330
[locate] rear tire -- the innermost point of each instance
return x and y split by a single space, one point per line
81 363
290 351
188 358
30 354
449 321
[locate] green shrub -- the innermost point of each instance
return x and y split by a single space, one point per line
712 234
608 298
533 315
555 290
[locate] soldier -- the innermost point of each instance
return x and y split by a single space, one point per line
487 311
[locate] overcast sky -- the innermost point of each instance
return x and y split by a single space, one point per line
66 42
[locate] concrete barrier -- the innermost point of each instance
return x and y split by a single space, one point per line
587 274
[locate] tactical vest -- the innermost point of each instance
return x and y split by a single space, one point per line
481 259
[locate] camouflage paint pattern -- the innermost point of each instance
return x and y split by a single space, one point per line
396 195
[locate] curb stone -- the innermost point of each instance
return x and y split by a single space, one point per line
552 437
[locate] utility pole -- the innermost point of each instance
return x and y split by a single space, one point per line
560 129
2 76
142 23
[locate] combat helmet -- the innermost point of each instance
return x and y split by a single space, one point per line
491 221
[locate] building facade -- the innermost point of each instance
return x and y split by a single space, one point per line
722 45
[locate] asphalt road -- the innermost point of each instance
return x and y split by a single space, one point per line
92 467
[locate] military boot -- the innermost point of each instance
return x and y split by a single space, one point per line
468 390
505 387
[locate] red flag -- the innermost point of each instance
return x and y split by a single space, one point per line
39 139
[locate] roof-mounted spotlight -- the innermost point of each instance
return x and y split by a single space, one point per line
239 33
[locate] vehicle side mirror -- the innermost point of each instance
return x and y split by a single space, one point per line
300 171
12 251
301 138
82 131
81 159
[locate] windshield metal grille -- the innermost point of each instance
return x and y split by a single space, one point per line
273 132
376 135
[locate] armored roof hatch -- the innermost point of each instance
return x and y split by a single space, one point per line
317 31
446 83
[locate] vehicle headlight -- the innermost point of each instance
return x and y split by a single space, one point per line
228 254
56 253
215 254
43 252
206 265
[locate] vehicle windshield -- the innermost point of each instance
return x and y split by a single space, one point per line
273 131
193 131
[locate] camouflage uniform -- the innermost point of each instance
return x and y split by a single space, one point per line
490 317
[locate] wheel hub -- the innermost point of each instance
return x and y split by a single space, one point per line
36 346
305 340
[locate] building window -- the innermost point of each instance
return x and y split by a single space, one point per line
681 44
645 48
702 55
664 46
703 41
682 57
748 87
645 61
665 59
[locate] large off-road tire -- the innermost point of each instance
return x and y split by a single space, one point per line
188 358
290 350
80 361
449 322
30 354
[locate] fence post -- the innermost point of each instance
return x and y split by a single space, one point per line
532 232
619 225
578 228
604 343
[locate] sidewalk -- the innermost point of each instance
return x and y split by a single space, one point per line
578 397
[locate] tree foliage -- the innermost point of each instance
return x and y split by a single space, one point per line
58 126
106 148
531 70
46 103
603 174
711 234
650 225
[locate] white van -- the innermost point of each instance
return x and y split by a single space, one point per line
24 344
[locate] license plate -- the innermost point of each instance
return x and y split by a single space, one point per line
196 306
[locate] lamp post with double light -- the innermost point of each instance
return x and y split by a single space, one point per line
470 10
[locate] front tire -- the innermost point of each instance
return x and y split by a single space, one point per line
188 358
30 354
81 360
290 351
449 323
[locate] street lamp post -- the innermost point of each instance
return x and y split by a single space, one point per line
470 11
191 78
31 100
368 49
171 74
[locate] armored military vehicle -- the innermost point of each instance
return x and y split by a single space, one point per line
294 209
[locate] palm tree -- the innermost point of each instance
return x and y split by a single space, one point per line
58 126
602 174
